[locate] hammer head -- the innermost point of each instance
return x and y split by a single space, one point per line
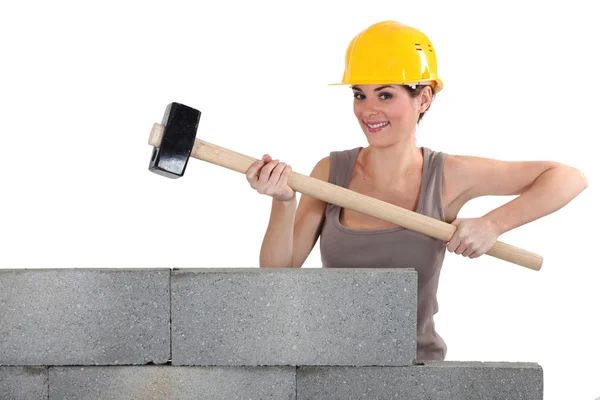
181 125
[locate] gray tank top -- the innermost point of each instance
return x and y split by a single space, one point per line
396 247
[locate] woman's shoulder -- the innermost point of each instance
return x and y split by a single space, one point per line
450 164
322 168
454 177
335 158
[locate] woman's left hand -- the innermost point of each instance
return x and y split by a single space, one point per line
473 237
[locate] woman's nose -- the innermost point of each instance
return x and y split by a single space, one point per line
368 108
369 111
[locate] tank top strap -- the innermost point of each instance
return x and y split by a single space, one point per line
341 166
432 178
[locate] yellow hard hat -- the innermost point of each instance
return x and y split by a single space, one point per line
390 52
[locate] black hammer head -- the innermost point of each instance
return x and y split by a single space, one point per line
181 125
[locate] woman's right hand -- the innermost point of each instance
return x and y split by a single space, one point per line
270 177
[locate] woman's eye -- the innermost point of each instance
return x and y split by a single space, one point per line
383 96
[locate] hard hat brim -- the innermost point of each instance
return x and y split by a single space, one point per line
437 85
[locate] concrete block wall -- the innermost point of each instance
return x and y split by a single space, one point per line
229 333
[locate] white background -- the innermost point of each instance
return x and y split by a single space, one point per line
81 85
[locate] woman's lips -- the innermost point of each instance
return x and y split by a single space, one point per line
376 126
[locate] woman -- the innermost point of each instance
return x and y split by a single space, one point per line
393 72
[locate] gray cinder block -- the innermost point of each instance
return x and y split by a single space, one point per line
24 383
293 316
169 382
435 380
84 316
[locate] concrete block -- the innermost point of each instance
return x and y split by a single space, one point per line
434 380
294 316
84 316
170 382
24 383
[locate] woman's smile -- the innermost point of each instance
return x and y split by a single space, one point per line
376 126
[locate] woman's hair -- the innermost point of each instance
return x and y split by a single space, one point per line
415 93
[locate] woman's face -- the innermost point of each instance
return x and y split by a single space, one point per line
385 112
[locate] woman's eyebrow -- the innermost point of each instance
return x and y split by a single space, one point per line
378 89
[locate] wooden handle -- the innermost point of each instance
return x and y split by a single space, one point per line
346 198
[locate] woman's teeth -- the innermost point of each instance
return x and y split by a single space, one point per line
373 128
379 125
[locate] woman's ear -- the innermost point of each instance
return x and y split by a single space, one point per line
426 96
